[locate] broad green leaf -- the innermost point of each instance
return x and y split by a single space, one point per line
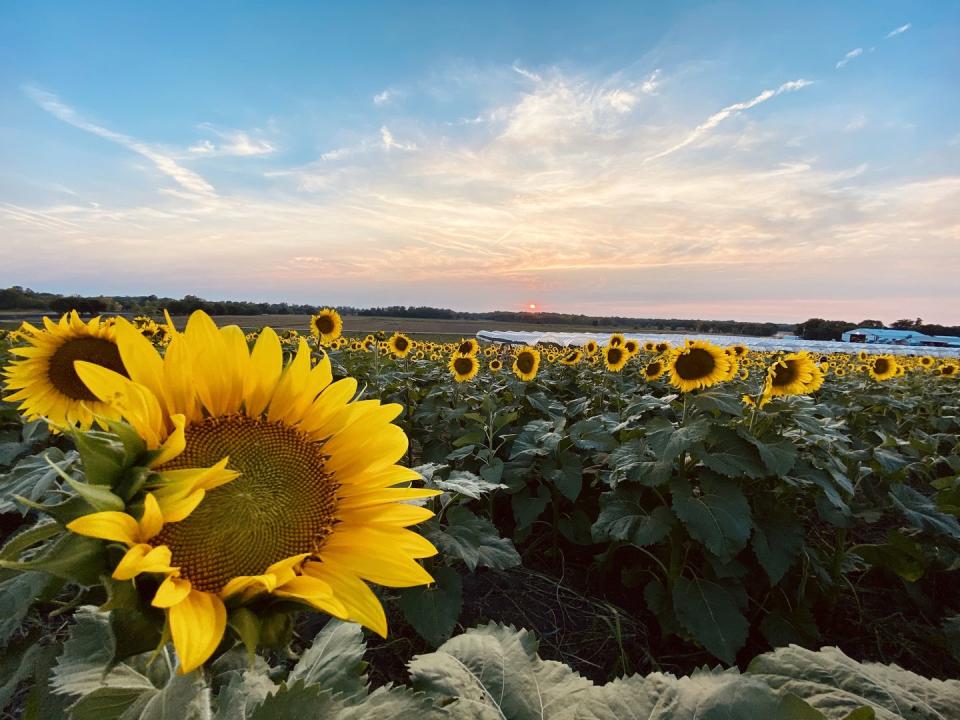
527 507
467 483
87 654
623 516
34 479
71 557
716 513
710 613
17 663
433 611
568 477
837 685
103 456
591 435
494 672
730 455
921 513
900 555
296 701
720 400
777 539
243 690
112 703
779 457
17 595
334 660
474 540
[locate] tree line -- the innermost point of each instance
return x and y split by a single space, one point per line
820 329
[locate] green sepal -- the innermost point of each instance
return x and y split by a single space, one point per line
102 455
97 496
64 512
133 444
248 628
71 557
276 630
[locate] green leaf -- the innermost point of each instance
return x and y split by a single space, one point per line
716 513
777 539
495 672
17 595
110 703
710 613
900 555
474 540
97 496
296 701
669 443
18 662
779 457
71 557
623 516
568 478
433 611
730 455
921 513
28 538
591 435
720 400
88 652
182 698
467 483
102 454
527 507
837 685
334 661
243 690
34 479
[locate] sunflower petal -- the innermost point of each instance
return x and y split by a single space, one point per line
143 558
360 601
172 590
196 624
110 525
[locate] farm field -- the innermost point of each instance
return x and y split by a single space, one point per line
601 527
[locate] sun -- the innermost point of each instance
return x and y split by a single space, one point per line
532 306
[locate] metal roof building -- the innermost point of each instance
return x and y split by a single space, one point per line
910 338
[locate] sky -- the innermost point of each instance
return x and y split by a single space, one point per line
752 160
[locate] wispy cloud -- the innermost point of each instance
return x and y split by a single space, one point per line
233 143
184 177
529 74
898 31
718 117
855 53
382 98
389 142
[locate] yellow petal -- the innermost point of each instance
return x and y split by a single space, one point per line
291 388
152 521
361 603
391 514
143 558
179 507
283 570
141 360
172 591
111 525
314 592
175 442
248 585
266 364
196 624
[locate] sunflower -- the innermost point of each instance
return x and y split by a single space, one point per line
571 357
615 357
590 347
649 346
467 346
616 340
882 367
698 365
949 369
662 347
926 361
45 382
326 326
495 365
269 480
739 350
464 367
654 369
399 345
526 363
793 374
631 346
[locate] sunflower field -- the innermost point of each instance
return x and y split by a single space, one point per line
207 522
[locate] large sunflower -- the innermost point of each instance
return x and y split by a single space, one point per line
467 346
793 374
616 340
698 365
400 345
269 479
615 357
45 382
654 369
631 346
571 357
882 367
590 347
495 365
326 325
526 363
464 367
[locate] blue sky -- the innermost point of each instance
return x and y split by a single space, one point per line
751 160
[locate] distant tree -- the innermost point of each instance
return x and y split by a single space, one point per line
870 324
820 329
905 324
